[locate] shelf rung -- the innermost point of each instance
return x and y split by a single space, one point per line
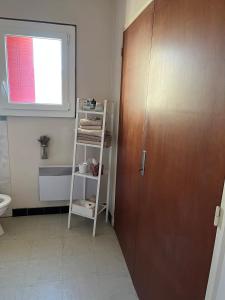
87 175
89 145
90 112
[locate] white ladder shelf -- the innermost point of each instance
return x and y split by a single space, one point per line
99 208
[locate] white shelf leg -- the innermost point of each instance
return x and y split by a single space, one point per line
73 170
109 168
100 169
84 180
85 159
97 195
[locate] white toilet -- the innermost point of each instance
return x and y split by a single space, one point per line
4 203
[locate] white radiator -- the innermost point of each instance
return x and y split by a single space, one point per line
54 184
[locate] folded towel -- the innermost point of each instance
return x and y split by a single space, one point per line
91 122
90 132
89 138
94 137
107 144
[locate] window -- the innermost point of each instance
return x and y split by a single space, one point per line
37 69
34 68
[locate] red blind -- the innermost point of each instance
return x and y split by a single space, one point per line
20 69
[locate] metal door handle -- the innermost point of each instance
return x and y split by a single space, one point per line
143 158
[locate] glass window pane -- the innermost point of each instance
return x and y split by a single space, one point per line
20 69
34 68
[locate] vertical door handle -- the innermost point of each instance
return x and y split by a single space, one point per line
218 216
143 158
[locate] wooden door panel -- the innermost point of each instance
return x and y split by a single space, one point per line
175 232
185 142
187 55
136 55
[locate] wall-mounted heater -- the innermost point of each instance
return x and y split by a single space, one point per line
55 183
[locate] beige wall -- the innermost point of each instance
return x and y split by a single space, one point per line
133 9
98 74
94 23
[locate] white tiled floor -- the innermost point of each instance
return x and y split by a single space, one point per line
41 260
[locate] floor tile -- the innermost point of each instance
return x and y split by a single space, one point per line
75 267
71 289
112 287
88 287
15 250
43 270
46 248
78 246
11 293
43 291
12 274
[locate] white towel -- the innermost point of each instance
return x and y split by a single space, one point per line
90 132
90 122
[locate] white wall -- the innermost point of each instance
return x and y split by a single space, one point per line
133 9
221 285
216 283
98 75
94 58
4 158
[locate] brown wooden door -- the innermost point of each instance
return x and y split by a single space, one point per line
136 56
185 145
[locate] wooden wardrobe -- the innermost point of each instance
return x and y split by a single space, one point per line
172 124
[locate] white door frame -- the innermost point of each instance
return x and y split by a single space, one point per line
216 283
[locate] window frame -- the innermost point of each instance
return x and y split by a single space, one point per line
64 32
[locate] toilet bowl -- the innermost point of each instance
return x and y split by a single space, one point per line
4 203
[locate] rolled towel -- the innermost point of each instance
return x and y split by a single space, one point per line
90 132
91 122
